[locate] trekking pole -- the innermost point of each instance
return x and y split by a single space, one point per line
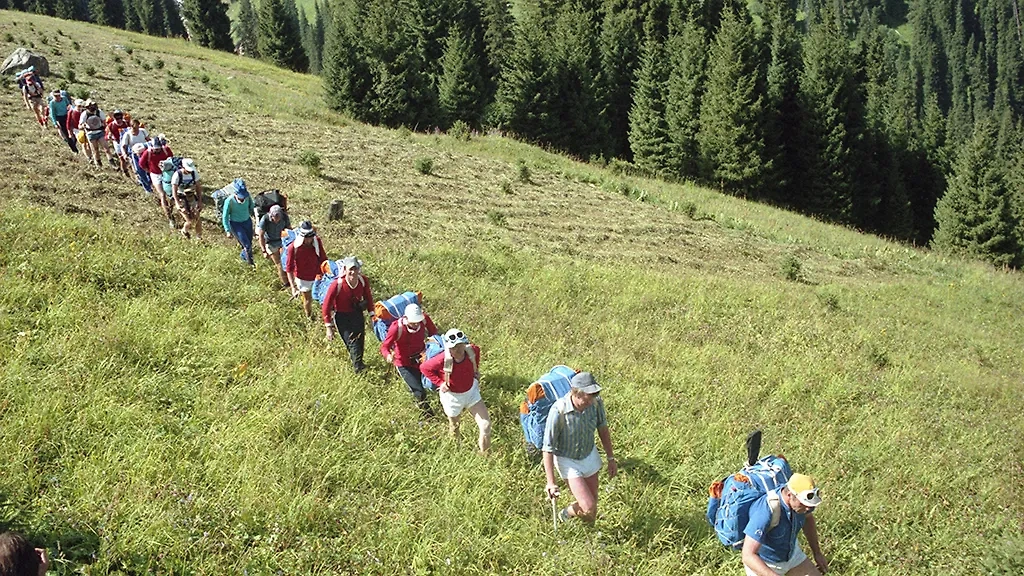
554 515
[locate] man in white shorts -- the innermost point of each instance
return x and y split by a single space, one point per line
569 446
770 547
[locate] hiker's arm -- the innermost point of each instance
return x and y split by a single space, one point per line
752 561
224 216
389 342
811 532
260 235
327 308
606 441
549 474
431 328
369 299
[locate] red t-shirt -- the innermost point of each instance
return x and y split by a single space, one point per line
115 129
409 345
304 261
151 158
344 299
463 373
73 117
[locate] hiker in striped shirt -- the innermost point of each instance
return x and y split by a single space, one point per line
569 446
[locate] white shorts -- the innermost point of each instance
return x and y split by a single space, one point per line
453 403
582 468
796 559
304 285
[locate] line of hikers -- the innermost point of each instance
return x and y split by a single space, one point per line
760 509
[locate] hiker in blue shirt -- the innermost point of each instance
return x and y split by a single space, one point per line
569 446
237 219
59 104
770 546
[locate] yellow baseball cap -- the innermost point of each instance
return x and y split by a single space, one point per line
805 489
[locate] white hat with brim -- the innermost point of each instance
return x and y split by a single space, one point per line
585 382
454 337
413 313
188 165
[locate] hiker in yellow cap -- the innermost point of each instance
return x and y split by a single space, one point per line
770 546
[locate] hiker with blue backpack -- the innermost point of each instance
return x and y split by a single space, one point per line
570 449
303 260
59 105
236 218
761 509
456 373
346 299
268 232
403 346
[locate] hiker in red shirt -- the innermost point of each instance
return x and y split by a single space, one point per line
403 346
115 126
343 307
156 152
305 255
457 374
74 117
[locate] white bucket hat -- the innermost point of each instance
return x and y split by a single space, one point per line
413 313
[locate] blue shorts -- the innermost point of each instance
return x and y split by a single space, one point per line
94 136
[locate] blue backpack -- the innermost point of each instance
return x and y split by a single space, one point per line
729 504
533 412
323 283
387 311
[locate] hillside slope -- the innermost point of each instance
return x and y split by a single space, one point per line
166 410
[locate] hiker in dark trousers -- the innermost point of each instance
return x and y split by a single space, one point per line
343 307
305 256
237 220
60 105
404 344
773 550
19 558
569 446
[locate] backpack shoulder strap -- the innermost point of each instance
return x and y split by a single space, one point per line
775 505
472 358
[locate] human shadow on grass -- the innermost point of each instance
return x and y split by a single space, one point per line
669 530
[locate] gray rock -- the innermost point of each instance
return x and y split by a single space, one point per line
23 58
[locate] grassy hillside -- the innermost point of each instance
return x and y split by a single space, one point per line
163 409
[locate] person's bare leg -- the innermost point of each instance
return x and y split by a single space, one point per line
483 423
805 568
453 426
585 492
307 303
276 257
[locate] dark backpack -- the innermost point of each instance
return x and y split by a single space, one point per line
264 201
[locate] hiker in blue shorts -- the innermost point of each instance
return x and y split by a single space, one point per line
569 446
770 547
237 219
268 232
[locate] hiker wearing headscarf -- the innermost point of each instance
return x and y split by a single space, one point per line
456 373
569 446
343 307
268 232
304 257
157 150
237 220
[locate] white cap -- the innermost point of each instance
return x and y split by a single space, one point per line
454 337
413 313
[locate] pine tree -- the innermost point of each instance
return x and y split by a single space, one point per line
496 23
208 23
975 216
620 46
279 39
346 75
460 87
782 105
318 32
107 13
522 105
687 47
173 25
246 29
648 129
730 137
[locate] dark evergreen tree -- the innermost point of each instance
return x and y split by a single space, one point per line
648 129
208 23
460 87
522 105
107 12
731 143
317 35
620 44
246 29
346 75
279 40
496 22
975 216
173 25
687 46
783 115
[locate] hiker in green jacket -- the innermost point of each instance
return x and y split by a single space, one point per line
237 220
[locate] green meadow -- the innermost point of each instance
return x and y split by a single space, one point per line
166 410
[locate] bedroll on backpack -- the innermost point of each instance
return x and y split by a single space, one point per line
533 412
264 201
387 311
329 271
729 504
221 196
435 346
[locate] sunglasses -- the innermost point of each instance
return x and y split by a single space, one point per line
811 494
456 336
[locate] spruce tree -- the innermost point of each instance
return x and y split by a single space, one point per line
107 12
648 129
730 138
208 23
620 45
782 105
279 39
246 29
346 74
522 105
975 216
687 46
460 87
317 33
172 23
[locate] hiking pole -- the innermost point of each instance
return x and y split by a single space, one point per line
554 515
